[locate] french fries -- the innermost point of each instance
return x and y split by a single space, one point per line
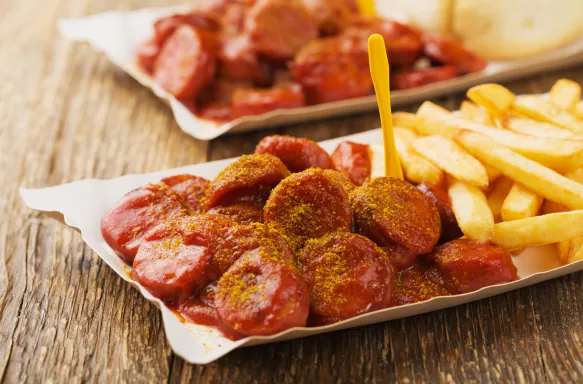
548 183
475 113
452 159
431 120
565 94
539 230
471 210
572 249
415 168
536 128
494 97
578 111
497 196
559 154
520 203
493 173
404 119
514 164
539 109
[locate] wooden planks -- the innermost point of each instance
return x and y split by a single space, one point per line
67 114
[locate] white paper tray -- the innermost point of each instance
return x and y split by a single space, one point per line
82 204
118 33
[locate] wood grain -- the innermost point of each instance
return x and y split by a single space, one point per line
67 114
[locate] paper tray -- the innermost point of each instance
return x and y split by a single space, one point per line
118 33
82 204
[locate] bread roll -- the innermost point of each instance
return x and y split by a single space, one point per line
502 29
495 29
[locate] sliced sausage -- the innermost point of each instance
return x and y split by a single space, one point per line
260 295
126 225
244 212
469 265
418 78
239 61
201 309
392 211
297 154
175 257
445 50
308 205
187 62
280 28
449 227
333 69
192 189
421 282
354 160
214 102
399 256
147 53
331 16
166 26
249 178
257 101
341 179
403 42
347 275
240 239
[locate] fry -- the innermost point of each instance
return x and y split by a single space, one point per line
406 136
559 154
568 250
539 109
497 196
404 119
493 173
536 128
475 113
578 111
494 97
471 210
576 253
546 182
427 116
452 158
565 94
416 168
520 203
539 230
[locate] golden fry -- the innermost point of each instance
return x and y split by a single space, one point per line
429 120
536 128
546 182
565 94
494 97
497 195
471 210
578 111
493 173
520 203
452 159
404 119
539 109
559 154
539 230
416 168
475 113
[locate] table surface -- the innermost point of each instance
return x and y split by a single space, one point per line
67 114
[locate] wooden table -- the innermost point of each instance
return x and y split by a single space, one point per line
67 114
